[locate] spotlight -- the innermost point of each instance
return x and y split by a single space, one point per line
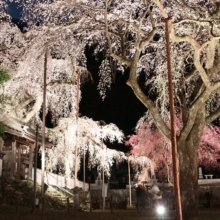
160 210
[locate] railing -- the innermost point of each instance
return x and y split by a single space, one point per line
63 190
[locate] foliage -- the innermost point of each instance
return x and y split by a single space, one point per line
2 128
209 148
11 190
4 77
149 141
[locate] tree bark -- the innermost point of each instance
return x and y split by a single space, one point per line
189 185
188 151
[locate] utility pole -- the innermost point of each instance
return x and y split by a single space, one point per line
173 126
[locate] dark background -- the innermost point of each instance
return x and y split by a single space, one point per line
120 106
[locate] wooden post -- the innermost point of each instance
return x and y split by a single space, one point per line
68 205
89 180
35 168
129 181
173 127
43 128
43 204
76 195
84 172
111 205
1 156
103 180
19 162
1 163
91 203
77 116
31 157
13 160
18 205
103 189
1 144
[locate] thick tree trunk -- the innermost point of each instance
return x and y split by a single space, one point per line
188 151
189 185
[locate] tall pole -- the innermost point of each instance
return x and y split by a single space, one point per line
103 180
103 188
35 168
76 193
43 127
84 171
129 181
77 116
173 128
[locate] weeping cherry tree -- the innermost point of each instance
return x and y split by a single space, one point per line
90 138
149 141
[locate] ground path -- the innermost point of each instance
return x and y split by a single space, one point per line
10 213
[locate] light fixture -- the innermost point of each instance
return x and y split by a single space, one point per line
160 210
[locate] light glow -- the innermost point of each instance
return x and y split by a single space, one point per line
160 210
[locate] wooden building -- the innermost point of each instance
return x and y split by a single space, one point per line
17 150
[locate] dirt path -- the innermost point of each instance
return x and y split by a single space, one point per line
10 213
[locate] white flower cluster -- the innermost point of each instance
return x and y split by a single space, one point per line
89 137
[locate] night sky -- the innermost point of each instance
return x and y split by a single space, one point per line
120 107
14 11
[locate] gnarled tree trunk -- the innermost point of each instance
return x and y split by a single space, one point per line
188 161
